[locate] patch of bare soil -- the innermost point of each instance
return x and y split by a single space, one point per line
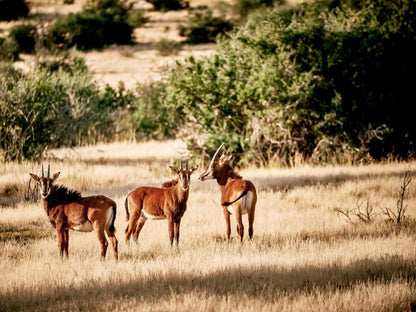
141 62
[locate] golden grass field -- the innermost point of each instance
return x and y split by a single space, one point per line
303 257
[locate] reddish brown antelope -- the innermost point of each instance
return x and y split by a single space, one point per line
168 202
67 209
238 196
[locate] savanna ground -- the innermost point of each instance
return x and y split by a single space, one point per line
304 255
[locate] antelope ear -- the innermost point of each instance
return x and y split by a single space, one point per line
56 175
174 170
223 160
35 177
193 169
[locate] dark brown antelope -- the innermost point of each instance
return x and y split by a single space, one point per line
67 209
238 196
168 202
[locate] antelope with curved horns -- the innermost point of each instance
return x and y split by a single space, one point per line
168 202
238 196
68 210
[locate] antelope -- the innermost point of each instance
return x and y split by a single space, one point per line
68 210
168 202
238 196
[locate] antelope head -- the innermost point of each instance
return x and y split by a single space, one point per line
45 182
184 174
215 167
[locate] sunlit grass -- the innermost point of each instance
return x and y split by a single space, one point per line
304 256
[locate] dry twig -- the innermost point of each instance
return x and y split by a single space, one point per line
400 214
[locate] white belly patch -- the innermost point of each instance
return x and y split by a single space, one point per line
243 203
85 227
152 217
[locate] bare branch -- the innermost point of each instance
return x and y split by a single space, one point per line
400 214
345 213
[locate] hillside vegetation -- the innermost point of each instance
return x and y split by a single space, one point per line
323 82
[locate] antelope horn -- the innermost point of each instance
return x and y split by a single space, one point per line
186 164
181 165
49 170
43 175
216 153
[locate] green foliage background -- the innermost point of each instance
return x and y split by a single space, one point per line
324 82
51 109
310 83
101 23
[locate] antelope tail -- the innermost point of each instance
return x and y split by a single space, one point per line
126 204
232 202
112 228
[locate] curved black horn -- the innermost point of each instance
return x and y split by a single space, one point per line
216 153
186 164
181 166
43 175
49 170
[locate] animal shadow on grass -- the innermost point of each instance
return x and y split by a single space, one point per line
252 282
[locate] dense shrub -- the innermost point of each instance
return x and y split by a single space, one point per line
9 49
245 7
309 83
50 109
101 23
204 27
151 117
59 104
25 37
168 5
13 9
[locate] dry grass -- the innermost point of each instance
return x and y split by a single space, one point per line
304 256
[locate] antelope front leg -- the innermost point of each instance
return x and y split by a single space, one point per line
227 222
61 240
170 229
66 242
177 227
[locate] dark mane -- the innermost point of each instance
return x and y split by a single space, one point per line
171 183
63 195
233 174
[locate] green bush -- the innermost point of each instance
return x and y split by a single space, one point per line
308 83
9 49
168 5
13 9
167 47
25 37
151 118
245 7
59 104
204 27
50 109
101 23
